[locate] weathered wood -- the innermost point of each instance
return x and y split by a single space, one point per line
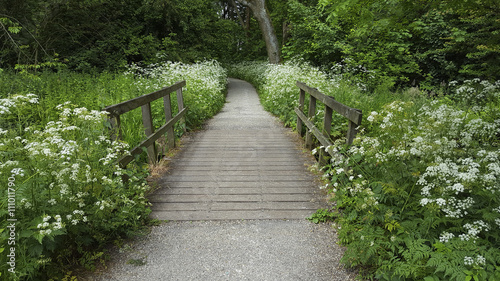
116 128
302 98
311 113
317 133
205 190
232 206
180 105
145 103
147 142
232 215
167 105
126 106
147 121
350 113
352 131
254 171
234 198
327 128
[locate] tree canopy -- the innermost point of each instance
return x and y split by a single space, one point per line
399 42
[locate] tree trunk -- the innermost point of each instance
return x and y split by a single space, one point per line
261 14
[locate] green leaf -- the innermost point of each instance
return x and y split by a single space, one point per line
14 29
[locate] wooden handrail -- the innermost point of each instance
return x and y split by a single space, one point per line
145 103
352 114
126 106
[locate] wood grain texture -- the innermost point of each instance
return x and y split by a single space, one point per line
244 165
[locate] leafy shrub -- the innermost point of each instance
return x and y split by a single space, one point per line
58 166
205 86
417 192
66 197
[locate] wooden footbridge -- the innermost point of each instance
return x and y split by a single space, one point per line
243 165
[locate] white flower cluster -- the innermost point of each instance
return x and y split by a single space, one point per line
473 230
76 217
116 150
51 144
476 92
205 81
80 113
46 227
445 237
479 260
103 204
6 105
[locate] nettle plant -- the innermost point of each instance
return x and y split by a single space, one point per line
70 197
421 200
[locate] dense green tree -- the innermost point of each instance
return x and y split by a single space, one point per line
109 34
399 42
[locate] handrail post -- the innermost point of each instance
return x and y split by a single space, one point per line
145 103
180 105
116 130
302 98
167 105
327 128
352 131
323 136
310 114
147 121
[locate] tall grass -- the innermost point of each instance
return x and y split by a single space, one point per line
62 198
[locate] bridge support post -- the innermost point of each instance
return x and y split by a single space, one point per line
147 121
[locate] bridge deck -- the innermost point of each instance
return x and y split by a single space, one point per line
244 165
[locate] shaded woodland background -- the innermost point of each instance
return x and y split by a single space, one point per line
395 42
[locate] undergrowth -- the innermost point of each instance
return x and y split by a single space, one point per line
417 192
63 198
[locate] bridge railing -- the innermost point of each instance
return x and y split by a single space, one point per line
352 114
145 103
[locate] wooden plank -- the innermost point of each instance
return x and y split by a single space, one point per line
126 106
317 133
147 142
180 105
350 113
235 184
233 190
239 178
232 215
116 128
352 131
327 128
239 172
167 108
231 198
311 113
302 97
147 121
224 206
179 166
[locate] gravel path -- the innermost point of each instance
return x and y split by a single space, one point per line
230 249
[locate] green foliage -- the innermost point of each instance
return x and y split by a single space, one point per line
321 215
70 199
417 191
109 35
398 42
